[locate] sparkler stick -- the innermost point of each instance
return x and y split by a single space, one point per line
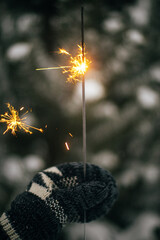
83 110
78 65
83 96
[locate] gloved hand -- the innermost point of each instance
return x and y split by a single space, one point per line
56 196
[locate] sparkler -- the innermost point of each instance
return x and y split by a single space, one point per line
15 122
83 110
76 70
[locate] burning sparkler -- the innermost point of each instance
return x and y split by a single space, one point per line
76 70
15 122
77 65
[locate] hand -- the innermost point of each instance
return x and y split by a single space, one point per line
56 196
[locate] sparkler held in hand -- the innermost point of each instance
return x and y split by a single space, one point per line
16 122
76 70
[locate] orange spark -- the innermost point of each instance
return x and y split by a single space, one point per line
15 122
70 134
67 146
77 65
63 51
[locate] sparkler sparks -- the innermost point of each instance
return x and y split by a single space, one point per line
63 51
15 122
78 66
70 134
67 146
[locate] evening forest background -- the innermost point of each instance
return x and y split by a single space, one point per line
122 39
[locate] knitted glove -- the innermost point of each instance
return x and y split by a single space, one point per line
56 196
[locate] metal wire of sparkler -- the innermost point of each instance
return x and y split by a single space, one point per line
83 111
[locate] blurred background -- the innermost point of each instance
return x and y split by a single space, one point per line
122 39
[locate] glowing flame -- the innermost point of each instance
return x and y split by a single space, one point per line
77 65
15 122
67 146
